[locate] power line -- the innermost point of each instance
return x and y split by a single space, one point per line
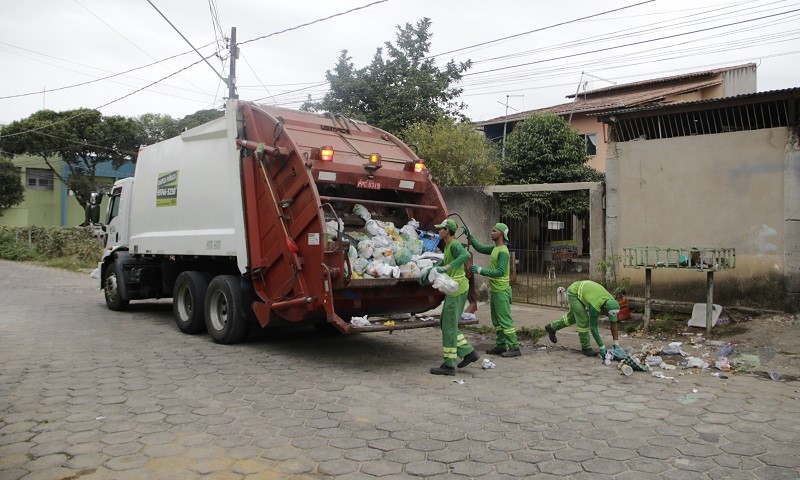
187 41
313 21
540 29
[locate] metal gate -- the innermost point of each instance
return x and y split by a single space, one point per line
555 241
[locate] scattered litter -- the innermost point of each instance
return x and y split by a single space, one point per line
715 343
694 390
726 350
694 362
626 369
459 381
100 418
723 364
488 364
775 375
658 374
634 364
667 366
388 323
425 319
654 360
746 363
674 348
609 357
699 315
360 321
468 316
719 375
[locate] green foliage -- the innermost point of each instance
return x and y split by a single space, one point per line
82 138
545 149
11 190
158 127
57 246
395 92
611 281
198 118
664 323
455 153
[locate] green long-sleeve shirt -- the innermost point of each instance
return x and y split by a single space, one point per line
591 294
499 264
455 255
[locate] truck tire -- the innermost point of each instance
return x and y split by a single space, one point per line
224 312
111 290
188 302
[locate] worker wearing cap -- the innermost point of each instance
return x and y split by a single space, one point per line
586 299
454 345
506 343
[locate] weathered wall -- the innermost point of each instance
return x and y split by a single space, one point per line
725 190
480 212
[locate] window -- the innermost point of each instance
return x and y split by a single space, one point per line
113 211
591 143
39 178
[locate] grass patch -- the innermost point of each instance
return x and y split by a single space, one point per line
68 248
630 328
532 334
480 329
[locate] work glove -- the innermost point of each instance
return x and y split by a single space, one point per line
423 279
603 351
466 231
476 269
441 269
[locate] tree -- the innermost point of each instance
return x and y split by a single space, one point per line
158 127
11 190
395 92
545 149
82 138
455 153
198 118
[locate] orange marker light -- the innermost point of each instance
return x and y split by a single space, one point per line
291 245
419 167
326 153
375 158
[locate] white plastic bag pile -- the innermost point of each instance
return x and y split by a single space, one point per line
384 251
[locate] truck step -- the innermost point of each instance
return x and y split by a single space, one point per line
379 324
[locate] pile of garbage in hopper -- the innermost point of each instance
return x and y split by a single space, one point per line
382 250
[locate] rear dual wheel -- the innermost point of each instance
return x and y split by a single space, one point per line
189 295
225 315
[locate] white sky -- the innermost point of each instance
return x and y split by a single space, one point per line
48 44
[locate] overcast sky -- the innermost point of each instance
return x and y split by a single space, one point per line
52 44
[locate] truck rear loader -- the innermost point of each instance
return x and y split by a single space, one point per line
232 220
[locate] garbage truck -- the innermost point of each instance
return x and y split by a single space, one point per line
259 218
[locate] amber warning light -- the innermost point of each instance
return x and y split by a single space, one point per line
419 166
325 153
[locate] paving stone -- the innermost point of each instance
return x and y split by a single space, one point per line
381 468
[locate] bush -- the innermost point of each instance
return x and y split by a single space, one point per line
51 244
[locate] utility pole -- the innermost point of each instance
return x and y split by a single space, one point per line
505 123
232 75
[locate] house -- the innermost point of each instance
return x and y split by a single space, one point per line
711 173
48 202
582 111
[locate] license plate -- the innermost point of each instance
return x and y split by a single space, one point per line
371 184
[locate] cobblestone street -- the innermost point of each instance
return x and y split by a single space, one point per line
87 393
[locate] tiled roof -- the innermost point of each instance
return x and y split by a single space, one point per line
612 101
628 95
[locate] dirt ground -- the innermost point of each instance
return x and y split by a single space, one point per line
773 337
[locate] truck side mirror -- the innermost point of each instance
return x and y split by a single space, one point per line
95 198
93 213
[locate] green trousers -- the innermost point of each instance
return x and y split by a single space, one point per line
585 322
454 345
500 307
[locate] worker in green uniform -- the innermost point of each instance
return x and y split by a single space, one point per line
586 299
506 343
454 345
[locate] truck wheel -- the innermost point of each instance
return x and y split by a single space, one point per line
188 300
114 300
224 312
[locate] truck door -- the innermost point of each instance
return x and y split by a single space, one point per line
117 215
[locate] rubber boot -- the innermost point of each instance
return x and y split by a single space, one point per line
551 333
443 370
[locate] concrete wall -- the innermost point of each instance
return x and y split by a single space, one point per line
735 190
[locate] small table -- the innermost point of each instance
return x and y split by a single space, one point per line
699 259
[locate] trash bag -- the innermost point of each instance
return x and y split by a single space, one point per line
360 265
366 249
443 282
375 229
362 212
414 245
409 270
402 256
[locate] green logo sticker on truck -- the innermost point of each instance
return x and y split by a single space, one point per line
167 189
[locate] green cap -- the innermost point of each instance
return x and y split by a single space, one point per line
502 227
449 224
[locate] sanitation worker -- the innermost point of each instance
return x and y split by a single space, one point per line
454 345
506 343
586 299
